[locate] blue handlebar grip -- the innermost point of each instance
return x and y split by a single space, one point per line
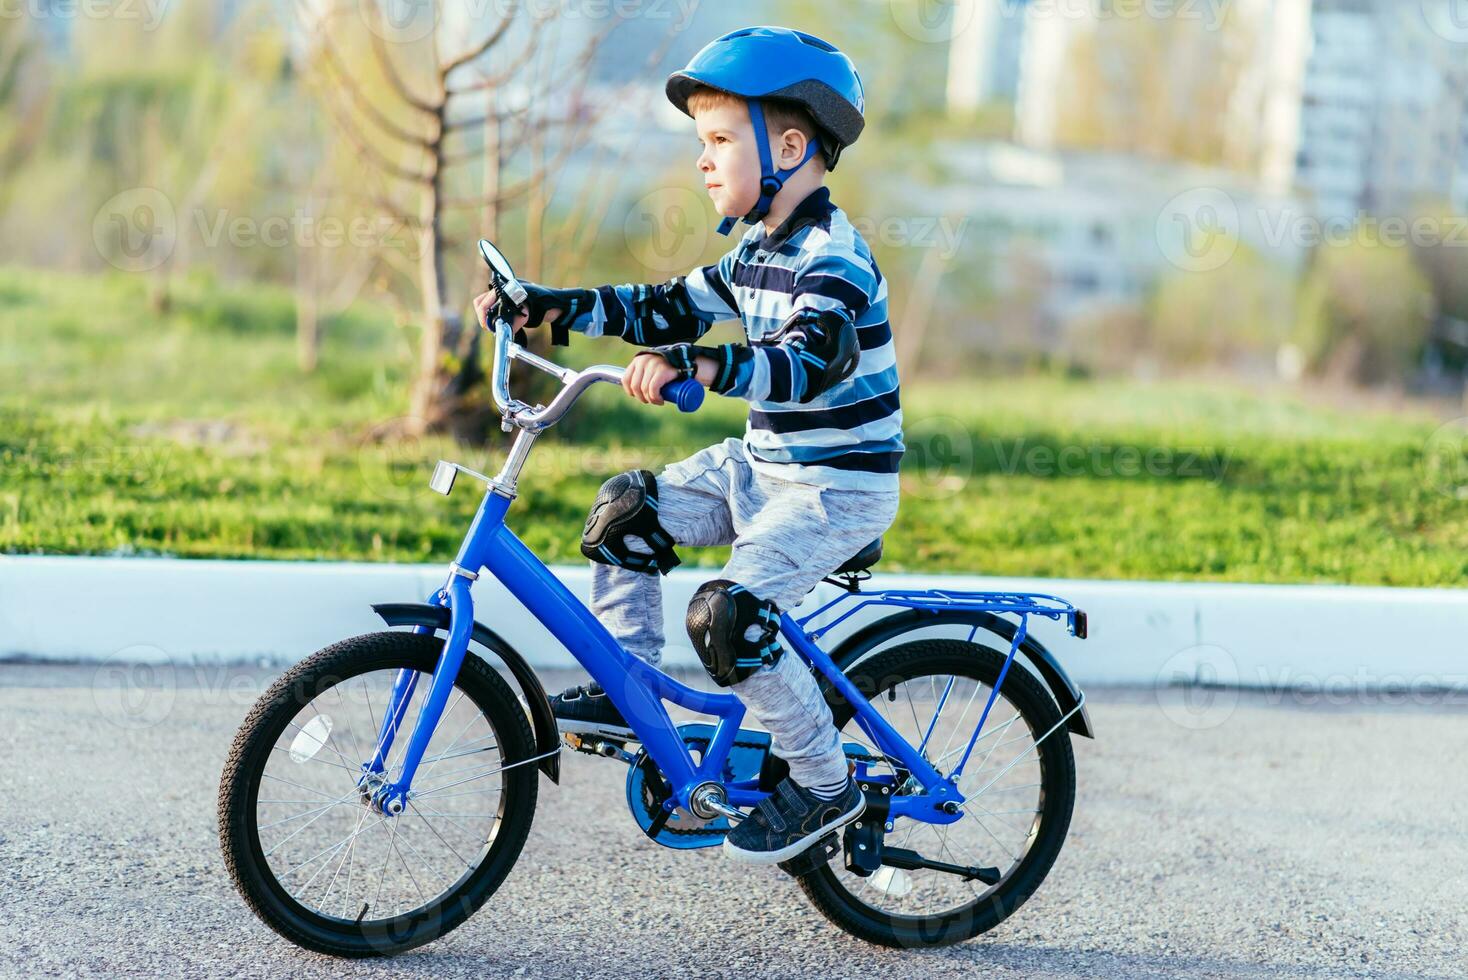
686 394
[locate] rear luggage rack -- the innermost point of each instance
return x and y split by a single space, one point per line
1022 604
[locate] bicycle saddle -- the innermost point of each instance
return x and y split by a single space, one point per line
862 560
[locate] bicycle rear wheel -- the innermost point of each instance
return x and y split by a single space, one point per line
1020 795
330 873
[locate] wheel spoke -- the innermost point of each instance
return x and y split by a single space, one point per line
299 830
304 813
467 779
324 762
346 856
429 824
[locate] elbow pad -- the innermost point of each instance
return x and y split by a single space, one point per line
823 345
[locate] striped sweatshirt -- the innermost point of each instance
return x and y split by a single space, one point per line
847 437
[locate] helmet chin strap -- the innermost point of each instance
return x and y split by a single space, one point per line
771 180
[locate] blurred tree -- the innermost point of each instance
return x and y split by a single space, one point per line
1243 309
514 103
1157 86
149 126
24 97
1365 311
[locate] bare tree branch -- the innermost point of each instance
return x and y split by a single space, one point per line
485 81
338 68
522 132
513 191
349 286
577 234
403 266
365 151
494 38
390 70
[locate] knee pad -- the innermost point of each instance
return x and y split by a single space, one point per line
733 631
627 505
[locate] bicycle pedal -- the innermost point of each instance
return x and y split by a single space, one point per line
813 858
604 748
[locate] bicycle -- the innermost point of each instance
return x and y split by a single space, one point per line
323 807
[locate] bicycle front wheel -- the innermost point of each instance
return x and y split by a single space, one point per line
321 867
1019 784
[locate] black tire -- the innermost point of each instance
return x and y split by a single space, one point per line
919 658
267 722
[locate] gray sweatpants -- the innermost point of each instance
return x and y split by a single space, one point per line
786 537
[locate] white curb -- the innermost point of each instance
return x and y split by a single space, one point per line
198 611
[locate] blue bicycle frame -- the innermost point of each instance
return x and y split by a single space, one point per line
638 689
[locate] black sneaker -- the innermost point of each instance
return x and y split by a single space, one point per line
789 821
587 710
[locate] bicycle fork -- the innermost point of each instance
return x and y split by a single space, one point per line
392 797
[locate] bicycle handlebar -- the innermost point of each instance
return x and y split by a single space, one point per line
687 394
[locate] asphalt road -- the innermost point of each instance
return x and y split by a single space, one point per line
1232 836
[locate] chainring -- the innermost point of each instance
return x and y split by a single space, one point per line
646 788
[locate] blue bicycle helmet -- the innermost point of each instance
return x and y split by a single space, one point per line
777 63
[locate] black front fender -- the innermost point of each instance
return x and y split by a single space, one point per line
547 736
869 637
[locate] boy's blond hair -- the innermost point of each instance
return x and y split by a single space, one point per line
780 114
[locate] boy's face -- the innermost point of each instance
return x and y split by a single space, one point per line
730 159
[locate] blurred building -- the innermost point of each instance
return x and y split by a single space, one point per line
1383 109
985 52
1092 232
1362 105
1044 41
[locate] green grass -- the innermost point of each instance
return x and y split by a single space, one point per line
193 434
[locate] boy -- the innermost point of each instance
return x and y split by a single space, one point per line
814 480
